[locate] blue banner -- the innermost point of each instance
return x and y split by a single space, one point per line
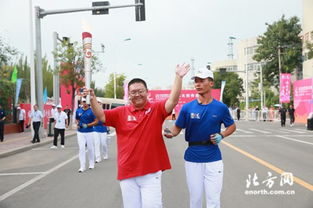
45 95
18 89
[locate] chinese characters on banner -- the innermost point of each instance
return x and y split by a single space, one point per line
284 95
303 99
185 96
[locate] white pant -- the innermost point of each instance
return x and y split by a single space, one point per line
206 177
101 145
142 191
83 139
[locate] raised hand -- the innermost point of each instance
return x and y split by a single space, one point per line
182 70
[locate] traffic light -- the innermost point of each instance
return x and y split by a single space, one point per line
140 11
100 11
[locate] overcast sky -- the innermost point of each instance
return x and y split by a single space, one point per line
174 32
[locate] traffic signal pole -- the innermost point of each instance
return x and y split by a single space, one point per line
40 13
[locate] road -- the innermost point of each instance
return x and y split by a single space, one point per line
258 154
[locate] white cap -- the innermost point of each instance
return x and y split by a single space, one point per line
98 99
83 99
53 105
18 108
59 106
203 73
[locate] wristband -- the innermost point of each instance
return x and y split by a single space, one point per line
84 126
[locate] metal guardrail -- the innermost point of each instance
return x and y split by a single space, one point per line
253 115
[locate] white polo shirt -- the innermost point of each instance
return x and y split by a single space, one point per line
21 115
36 116
59 119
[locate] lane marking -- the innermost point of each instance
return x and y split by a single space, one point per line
294 131
295 140
261 131
37 178
17 174
244 131
267 135
269 165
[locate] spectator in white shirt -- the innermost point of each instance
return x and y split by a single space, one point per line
21 118
60 123
36 118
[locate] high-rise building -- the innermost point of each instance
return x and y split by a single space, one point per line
307 36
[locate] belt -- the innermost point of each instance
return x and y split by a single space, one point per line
205 143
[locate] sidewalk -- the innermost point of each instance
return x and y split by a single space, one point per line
20 142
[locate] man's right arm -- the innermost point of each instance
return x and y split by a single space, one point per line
96 108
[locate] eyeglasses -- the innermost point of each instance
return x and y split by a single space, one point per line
135 92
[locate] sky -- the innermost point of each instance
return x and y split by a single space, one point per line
175 31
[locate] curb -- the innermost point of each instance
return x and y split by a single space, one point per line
30 146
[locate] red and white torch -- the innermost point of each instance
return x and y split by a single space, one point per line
87 43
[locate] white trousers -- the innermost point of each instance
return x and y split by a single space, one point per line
83 139
101 145
142 191
206 177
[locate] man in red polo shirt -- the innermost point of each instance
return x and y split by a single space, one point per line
142 155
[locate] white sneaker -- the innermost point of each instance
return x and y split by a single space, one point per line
80 170
91 167
105 157
62 146
53 147
97 161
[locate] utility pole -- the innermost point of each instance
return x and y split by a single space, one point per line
279 69
56 76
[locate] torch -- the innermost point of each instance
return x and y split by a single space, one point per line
87 39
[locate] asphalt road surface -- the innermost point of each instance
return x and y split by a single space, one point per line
265 165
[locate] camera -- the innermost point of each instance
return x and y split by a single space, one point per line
81 90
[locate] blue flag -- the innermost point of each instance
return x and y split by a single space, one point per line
18 89
45 95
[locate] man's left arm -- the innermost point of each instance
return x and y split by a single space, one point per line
181 71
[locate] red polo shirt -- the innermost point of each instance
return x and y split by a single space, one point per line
140 145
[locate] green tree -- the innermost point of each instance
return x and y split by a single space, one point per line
309 46
109 88
233 88
47 73
71 59
98 92
7 53
282 36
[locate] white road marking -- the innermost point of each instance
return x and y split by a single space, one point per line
37 178
261 131
295 140
294 131
244 131
17 174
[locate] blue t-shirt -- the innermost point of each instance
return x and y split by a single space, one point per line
85 117
100 127
200 121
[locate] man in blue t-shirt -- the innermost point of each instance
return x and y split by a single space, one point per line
101 143
202 118
85 120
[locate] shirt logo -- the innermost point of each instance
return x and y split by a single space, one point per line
195 115
214 116
131 118
147 111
